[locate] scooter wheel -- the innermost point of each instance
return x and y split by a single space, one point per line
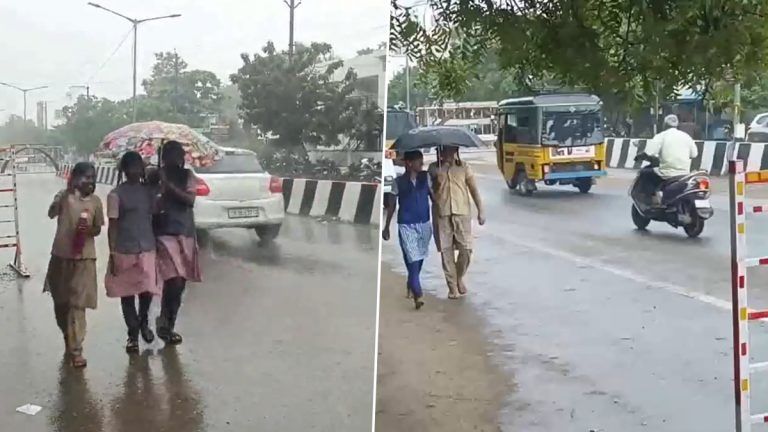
695 228
640 221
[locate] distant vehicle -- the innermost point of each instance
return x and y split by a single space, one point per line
235 192
553 138
399 121
760 120
758 134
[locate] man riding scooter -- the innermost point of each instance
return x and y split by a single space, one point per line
675 149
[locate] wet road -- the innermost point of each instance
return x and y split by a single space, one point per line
276 338
603 327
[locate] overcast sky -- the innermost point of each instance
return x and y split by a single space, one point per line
60 43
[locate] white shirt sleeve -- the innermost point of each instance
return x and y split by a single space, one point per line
653 146
694 149
394 190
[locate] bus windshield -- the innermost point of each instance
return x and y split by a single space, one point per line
398 123
569 126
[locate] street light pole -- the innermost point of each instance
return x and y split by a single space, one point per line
135 23
135 44
24 91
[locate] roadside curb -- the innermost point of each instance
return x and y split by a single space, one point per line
353 202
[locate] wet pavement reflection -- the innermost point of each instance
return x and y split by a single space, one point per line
277 337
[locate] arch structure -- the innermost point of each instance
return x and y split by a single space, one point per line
53 154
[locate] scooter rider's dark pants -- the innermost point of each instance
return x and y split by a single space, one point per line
649 181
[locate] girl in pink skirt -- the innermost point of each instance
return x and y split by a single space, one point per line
177 252
132 269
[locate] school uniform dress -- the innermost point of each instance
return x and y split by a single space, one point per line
454 220
135 249
414 228
177 249
71 278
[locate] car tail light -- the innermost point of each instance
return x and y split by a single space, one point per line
703 184
596 166
275 185
545 168
202 188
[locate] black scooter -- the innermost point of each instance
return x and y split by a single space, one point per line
681 201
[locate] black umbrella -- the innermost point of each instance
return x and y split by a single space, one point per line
436 136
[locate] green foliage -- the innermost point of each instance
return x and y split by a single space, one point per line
298 100
190 94
627 49
396 89
16 131
90 119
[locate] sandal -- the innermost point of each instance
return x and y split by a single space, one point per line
168 336
147 334
132 346
454 296
79 362
418 303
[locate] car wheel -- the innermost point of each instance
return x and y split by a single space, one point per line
268 233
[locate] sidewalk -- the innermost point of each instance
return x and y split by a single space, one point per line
434 372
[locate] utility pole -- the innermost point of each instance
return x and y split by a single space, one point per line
407 84
24 91
292 5
135 23
175 82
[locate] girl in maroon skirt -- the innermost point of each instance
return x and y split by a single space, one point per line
177 251
132 269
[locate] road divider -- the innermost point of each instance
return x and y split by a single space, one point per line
621 152
353 202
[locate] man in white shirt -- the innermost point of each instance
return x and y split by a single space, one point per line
674 148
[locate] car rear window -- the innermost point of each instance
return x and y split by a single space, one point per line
233 164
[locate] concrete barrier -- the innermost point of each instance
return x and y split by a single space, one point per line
346 201
621 152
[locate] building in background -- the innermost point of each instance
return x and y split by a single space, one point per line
371 75
42 115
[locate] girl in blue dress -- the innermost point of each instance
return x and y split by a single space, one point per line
414 228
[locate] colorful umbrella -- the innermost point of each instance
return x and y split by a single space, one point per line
147 137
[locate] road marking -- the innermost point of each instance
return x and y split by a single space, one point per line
597 264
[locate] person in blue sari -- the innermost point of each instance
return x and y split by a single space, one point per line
413 194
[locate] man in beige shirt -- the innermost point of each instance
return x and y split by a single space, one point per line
453 184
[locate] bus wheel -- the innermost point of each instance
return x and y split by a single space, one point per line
524 186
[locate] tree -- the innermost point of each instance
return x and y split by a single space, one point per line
626 49
190 94
396 89
88 120
297 100
16 131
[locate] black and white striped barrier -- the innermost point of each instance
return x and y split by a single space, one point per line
620 153
346 201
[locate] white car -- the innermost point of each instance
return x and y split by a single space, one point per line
759 120
237 193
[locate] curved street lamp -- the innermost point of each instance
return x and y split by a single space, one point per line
135 22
